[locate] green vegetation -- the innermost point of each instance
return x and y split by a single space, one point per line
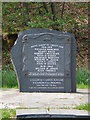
7 113
82 86
9 79
34 15
83 107
82 77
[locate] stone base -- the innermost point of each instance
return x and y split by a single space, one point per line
54 113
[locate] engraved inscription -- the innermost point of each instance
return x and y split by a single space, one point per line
47 83
46 57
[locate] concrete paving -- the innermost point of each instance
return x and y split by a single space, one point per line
12 98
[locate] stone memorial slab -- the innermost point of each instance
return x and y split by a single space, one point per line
44 61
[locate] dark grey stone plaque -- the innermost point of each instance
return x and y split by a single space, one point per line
44 61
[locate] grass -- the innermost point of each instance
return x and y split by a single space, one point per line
82 77
82 86
83 107
9 79
7 113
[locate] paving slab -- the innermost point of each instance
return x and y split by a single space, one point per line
51 112
12 98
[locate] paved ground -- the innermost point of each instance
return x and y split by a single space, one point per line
12 98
